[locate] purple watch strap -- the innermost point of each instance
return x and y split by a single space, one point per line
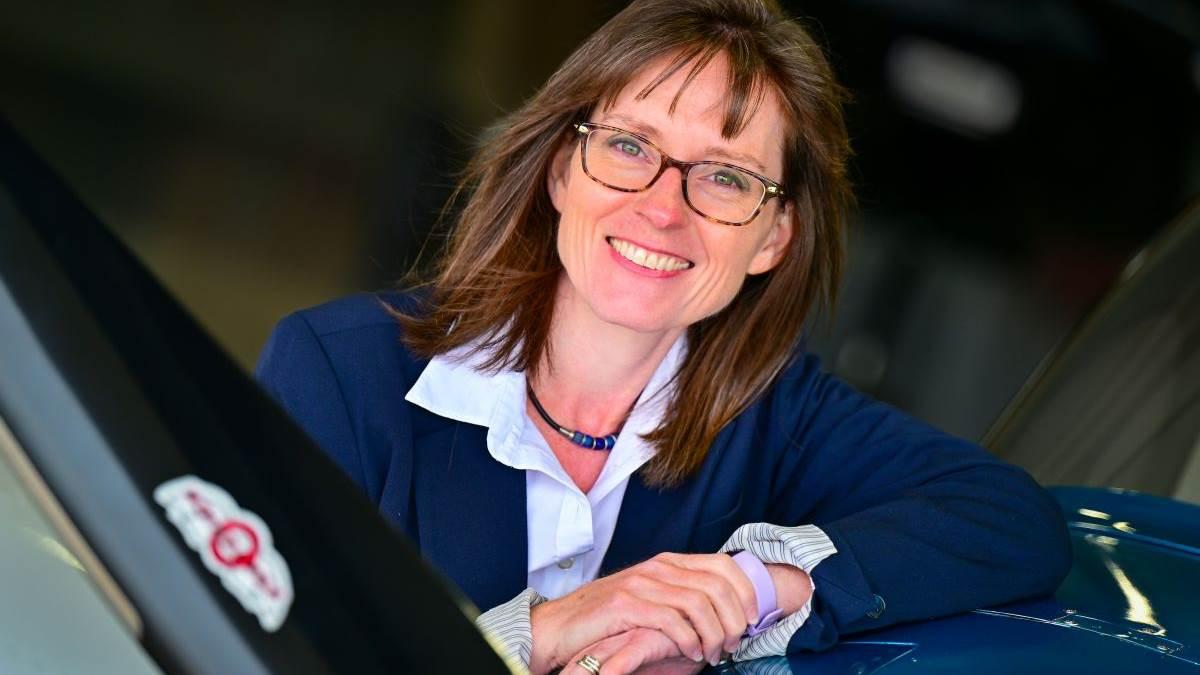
764 592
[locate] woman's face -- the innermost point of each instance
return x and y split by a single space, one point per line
602 231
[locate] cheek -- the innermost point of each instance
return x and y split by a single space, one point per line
571 239
730 253
583 210
578 232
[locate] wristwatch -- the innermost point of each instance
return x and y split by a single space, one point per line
764 592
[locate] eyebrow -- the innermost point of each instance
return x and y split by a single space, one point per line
711 151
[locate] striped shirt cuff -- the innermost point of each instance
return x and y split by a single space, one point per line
508 629
804 546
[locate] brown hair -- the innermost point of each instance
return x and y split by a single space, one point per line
496 282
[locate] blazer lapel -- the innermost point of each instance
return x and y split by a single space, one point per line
471 514
650 521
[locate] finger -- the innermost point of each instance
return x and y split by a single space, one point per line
709 568
644 648
641 612
730 608
600 651
605 608
625 653
722 595
696 606
724 566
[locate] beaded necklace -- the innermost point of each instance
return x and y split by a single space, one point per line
577 437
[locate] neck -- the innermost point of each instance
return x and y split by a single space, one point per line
594 371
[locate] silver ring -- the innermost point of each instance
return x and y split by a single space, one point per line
590 664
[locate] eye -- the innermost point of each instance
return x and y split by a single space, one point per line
627 145
731 179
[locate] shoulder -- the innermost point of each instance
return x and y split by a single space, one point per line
802 382
359 313
360 326
805 401
354 341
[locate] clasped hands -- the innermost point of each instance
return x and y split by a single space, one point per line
670 614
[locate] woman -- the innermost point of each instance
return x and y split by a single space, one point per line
601 393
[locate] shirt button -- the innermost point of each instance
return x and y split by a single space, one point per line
566 564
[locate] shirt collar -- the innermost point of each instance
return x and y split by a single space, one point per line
455 385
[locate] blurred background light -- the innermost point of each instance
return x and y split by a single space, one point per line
954 89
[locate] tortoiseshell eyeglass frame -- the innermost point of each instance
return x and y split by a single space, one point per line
772 189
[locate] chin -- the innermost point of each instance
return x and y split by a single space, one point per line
635 316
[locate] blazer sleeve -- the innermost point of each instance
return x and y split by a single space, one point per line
295 370
924 524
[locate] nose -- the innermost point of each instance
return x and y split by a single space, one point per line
662 203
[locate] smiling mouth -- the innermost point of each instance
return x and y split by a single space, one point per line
652 261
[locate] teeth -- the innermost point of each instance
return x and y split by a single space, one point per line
653 261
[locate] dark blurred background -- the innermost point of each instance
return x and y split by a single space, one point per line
1011 155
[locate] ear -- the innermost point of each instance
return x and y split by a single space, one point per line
776 242
559 172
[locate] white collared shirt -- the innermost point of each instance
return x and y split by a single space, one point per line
568 531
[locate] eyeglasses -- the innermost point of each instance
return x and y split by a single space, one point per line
629 162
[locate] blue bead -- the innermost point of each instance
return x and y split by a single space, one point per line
588 441
577 439
609 441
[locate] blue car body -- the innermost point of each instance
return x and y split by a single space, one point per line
1128 605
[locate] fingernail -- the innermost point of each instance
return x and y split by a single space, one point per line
697 657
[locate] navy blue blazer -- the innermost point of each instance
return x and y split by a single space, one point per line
925 524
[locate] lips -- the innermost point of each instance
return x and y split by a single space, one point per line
651 260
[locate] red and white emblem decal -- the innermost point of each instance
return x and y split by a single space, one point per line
234 544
